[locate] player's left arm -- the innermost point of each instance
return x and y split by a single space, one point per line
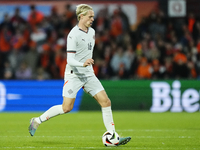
88 62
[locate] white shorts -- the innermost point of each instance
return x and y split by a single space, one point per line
73 84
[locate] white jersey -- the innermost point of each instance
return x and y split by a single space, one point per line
81 43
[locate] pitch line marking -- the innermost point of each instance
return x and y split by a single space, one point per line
164 137
93 148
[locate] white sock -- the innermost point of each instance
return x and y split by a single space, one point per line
51 112
108 118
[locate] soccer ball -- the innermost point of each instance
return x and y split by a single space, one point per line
110 139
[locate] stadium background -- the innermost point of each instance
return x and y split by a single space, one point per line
137 43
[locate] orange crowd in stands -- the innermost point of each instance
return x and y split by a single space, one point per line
159 48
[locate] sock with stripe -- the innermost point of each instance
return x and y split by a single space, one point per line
108 118
51 112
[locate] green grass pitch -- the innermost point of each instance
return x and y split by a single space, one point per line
83 130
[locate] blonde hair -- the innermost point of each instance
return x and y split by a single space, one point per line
82 9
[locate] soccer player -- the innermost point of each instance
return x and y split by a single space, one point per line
79 73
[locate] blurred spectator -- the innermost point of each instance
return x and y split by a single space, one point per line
35 17
180 68
196 30
102 65
126 39
5 40
192 51
116 25
190 21
130 56
192 71
169 68
7 23
107 53
145 47
198 45
152 17
142 28
5 47
1 67
41 74
101 23
60 60
69 13
125 20
16 20
15 58
24 72
153 52
70 16
119 63
158 70
186 38
157 28
103 70
139 51
18 41
8 72
162 50
38 35
144 70
54 18
47 60
197 66
45 56
32 56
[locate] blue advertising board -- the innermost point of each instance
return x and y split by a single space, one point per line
32 95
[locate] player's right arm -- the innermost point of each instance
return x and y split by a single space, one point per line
73 62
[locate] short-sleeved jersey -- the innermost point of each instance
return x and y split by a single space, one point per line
81 43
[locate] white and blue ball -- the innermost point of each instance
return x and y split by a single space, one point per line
110 138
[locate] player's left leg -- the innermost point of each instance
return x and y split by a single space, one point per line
105 103
123 141
97 91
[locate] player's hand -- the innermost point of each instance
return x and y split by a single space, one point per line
88 62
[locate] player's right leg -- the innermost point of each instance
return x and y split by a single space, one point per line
70 89
51 112
66 107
